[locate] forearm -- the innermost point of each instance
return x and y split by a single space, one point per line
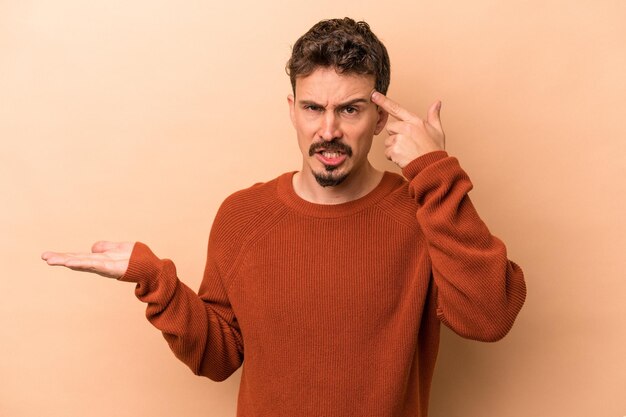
479 291
197 335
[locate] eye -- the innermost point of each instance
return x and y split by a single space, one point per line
350 110
312 107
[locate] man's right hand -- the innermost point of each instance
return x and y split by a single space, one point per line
109 259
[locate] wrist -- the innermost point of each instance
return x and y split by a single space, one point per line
414 167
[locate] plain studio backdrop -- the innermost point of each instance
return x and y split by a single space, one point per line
134 120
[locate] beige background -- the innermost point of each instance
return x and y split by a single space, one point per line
134 120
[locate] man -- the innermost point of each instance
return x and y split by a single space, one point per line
332 281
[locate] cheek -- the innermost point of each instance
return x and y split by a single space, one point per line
362 138
305 139
362 130
305 124
365 123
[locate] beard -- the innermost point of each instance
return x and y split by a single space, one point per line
332 175
330 178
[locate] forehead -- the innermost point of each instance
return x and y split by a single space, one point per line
325 85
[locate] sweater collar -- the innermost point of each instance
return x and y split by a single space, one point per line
287 195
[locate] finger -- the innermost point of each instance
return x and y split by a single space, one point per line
398 127
392 107
434 115
98 266
58 259
55 258
90 265
101 268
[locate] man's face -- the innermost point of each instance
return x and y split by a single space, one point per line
335 123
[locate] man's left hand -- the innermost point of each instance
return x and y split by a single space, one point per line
410 136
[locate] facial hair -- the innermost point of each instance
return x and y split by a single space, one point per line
328 177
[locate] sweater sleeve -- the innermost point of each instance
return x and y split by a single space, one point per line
479 290
201 330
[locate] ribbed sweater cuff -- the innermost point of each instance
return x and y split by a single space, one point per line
418 164
143 265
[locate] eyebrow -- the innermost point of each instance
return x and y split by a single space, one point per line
340 105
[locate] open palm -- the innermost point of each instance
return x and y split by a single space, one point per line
109 259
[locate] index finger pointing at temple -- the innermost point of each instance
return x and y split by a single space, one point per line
392 107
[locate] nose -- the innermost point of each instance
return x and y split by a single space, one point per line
329 128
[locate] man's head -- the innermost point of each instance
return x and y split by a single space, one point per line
347 46
333 69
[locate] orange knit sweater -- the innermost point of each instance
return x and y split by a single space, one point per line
336 308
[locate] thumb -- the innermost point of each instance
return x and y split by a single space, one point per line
103 246
434 115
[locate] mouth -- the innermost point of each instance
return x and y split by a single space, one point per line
331 154
331 158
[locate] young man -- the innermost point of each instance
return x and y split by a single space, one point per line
332 281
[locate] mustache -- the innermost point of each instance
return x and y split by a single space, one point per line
330 146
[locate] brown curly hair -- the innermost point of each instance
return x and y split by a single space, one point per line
343 44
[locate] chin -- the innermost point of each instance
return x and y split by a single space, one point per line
329 177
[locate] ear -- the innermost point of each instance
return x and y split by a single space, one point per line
292 109
382 119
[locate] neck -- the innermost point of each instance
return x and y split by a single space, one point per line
356 185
